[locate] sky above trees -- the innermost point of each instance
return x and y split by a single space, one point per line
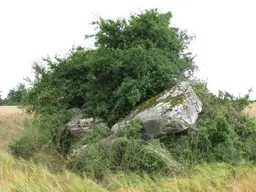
224 31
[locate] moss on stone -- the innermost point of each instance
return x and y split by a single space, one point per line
149 103
173 100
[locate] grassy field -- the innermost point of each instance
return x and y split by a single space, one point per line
11 124
10 110
19 175
251 110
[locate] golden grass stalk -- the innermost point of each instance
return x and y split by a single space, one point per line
11 124
250 110
21 175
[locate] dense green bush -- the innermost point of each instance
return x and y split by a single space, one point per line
133 60
225 134
95 135
42 132
249 144
124 151
32 139
15 95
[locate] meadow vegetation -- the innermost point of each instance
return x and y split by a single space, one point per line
250 110
18 174
11 122
133 60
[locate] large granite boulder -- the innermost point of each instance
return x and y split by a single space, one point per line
172 111
79 125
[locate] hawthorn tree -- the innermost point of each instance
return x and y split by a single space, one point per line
133 60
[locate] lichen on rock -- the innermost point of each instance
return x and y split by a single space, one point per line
171 111
80 125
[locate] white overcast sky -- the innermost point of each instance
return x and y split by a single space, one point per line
225 35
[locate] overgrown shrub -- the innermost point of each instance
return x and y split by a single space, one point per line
133 60
225 134
122 154
95 135
43 132
132 131
56 124
123 151
15 95
249 146
31 140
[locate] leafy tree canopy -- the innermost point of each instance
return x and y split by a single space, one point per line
15 95
133 60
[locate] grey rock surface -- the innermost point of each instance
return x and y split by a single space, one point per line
172 111
80 125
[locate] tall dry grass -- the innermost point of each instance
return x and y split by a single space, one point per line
11 124
10 110
19 175
250 110
203 178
